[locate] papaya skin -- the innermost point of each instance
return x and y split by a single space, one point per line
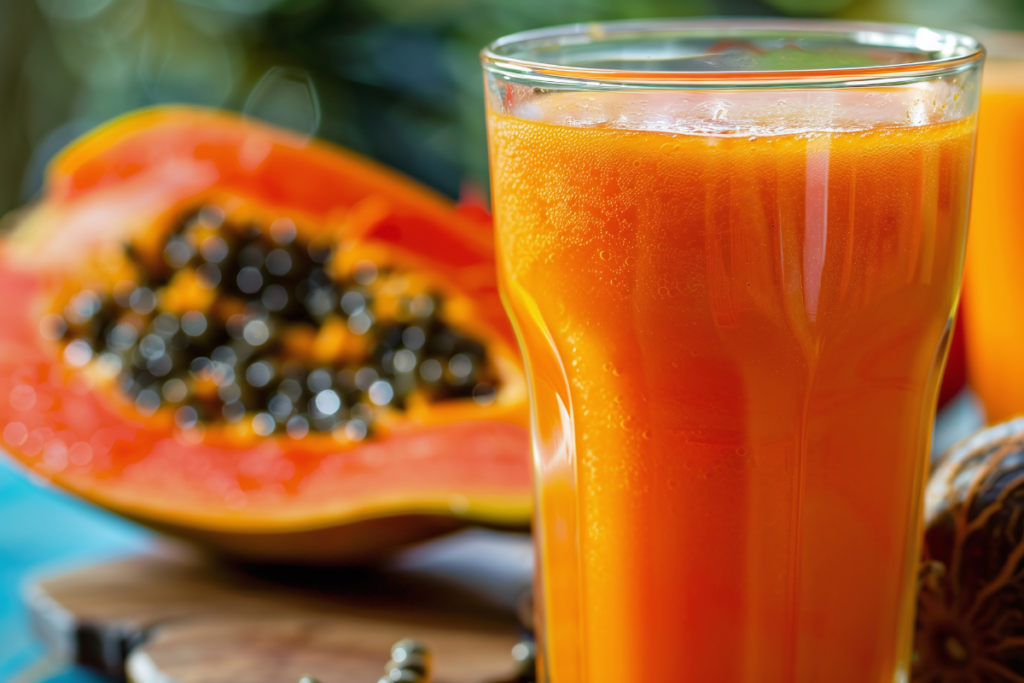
429 470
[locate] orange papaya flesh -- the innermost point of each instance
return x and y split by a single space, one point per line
259 342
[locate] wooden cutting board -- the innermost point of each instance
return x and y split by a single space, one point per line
181 618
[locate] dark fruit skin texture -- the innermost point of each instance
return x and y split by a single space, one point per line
970 621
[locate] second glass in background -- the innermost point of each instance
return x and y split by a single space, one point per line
993 307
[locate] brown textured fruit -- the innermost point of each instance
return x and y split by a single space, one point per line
970 621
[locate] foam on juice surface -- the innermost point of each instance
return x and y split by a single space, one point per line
742 113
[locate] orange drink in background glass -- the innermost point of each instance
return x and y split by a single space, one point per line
994 274
731 251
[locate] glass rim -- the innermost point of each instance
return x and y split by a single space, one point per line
958 52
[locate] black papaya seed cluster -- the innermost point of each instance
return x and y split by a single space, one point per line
232 322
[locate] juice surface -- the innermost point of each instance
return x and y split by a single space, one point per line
734 342
994 275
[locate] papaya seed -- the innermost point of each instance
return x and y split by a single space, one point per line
245 324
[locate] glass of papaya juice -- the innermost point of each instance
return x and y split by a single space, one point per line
731 251
994 274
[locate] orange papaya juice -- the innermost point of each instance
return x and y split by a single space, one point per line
734 338
994 274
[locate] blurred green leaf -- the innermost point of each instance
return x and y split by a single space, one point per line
813 8
399 80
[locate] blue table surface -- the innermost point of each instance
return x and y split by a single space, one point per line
42 530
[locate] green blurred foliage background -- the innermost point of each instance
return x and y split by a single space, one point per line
398 80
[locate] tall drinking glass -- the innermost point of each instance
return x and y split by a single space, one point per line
731 251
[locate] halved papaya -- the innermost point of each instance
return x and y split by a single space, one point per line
259 342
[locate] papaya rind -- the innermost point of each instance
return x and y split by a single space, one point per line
144 168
